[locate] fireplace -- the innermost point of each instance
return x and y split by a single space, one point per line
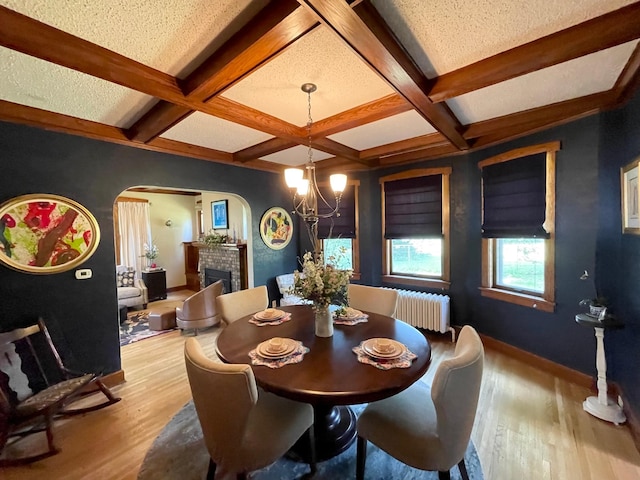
211 275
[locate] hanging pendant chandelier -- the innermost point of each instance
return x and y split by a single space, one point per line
306 193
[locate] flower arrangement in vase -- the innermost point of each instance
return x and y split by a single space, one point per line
322 284
151 253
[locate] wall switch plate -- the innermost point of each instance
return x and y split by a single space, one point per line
83 274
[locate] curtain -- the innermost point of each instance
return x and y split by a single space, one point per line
514 202
413 207
134 224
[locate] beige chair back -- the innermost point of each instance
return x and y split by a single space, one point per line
235 305
455 391
224 396
200 309
373 299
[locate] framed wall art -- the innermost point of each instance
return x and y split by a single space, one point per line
220 214
43 233
276 228
629 197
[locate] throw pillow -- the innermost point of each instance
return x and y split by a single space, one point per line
125 279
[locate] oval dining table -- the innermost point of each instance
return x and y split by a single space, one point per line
329 377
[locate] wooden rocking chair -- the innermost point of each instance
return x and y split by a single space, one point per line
20 417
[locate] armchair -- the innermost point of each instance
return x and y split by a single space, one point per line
132 290
244 429
200 310
285 282
429 428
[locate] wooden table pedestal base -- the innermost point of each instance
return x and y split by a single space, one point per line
335 431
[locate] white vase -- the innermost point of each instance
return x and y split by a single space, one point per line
324 322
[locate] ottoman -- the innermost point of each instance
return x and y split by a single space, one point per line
122 312
162 318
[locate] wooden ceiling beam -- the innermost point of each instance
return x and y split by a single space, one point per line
384 107
366 33
264 37
57 122
508 127
629 80
416 143
40 40
430 153
35 38
341 165
263 149
609 30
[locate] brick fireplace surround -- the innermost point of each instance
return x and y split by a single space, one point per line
227 257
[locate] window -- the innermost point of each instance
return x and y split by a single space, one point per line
518 221
416 227
341 232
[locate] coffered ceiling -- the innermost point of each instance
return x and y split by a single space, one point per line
398 80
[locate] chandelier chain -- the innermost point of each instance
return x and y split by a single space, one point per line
309 123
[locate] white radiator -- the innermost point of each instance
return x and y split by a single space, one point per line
424 310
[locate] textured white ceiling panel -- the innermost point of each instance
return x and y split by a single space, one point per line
212 132
343 81
296 156
444 35
391 129
36 83
169 35
583 76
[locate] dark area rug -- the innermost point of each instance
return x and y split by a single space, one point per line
179 453
136 327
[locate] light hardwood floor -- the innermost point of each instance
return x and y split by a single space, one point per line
530 424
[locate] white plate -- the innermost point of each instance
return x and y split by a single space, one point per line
267 316
396 351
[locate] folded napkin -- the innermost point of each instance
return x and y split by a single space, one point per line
294 357
263 323
403 361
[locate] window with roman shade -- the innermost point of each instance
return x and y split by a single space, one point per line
413 207
518 226
344 225
514 195
415 227
339 234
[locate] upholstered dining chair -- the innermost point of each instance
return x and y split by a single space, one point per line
235 305
200 309
244 429
373 299
429 428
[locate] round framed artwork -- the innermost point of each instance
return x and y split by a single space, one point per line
44 233
276 228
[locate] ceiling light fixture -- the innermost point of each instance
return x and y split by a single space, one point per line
306 193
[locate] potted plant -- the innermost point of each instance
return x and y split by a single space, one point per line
596 305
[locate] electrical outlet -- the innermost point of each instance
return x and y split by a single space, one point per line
620 402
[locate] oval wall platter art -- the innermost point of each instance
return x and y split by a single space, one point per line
44 233
276 228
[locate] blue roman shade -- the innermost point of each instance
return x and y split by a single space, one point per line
413 207
514 202
343 225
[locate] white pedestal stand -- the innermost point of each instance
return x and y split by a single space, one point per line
601 406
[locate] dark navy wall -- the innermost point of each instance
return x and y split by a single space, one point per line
83 313
618 259
555 336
